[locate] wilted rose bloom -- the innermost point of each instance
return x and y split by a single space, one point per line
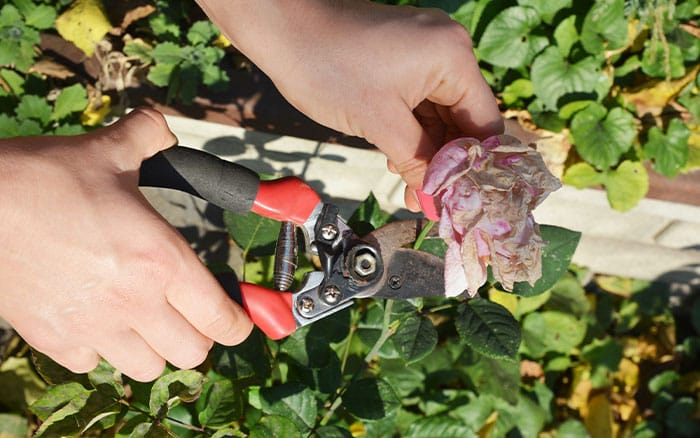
486 191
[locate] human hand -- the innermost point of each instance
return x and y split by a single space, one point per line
89 269
403 78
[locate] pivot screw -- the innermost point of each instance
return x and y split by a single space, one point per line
365 264
331 294
395 281
306 305
329 232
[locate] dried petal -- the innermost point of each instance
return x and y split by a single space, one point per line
487 191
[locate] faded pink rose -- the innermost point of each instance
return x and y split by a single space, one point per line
486 191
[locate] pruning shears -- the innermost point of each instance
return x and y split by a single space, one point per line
376 265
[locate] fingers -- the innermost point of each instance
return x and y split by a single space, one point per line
128 352
137 136
199 298
78 359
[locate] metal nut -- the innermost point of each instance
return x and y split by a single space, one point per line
365 264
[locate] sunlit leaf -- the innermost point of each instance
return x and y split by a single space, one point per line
508 40
572 429
601 137
663 60
84 24
582 175
670 150
13 425
488 328
604 356
40 16
371 399
517 90
254 234
551 331
626 185
274 426
566 35
368 216
72 99
169 389
605 26
202 32
599 419
440 426
547 9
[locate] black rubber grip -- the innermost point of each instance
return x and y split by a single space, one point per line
222 183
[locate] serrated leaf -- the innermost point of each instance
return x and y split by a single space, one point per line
495 378
34 107
274 426
84 24
184 385
605 26
488 328
601 137
254 234
160 74
551 332
371 399
40 17
9 126
202 32
582 175
626 185
72 99
13 80
556 258
670 150
293 401
167 53
219 404
558 80
415 337
440 426
508 40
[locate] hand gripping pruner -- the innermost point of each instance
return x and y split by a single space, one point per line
376 265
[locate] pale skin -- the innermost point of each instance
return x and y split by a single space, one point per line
88 269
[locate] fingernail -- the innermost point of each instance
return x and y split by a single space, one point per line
427 204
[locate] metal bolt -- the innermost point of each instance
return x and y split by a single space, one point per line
395 281
306 305
365 264
329 231
331 294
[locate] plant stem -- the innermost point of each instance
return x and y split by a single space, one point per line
423 234
386 332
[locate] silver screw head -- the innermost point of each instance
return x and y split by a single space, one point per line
395 282
365 264
331 294
329 232
306 305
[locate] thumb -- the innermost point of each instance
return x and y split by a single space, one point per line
137 136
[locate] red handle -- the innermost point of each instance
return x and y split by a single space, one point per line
286 199
270 310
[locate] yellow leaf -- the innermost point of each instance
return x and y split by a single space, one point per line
599 420
84 24
357 429
505 299
488 426
652 99
627 377
693 162
95 113
581 389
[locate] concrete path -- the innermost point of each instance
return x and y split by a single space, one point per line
657 240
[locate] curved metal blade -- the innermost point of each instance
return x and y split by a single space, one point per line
407 273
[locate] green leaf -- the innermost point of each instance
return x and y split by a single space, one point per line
41 17
213 76
140 51
663 381
440 426
556 258
488 328
368 216
605 27
34 107
106 379
370 399
626 185
572 429
167 53
13 426
167 390
491 377
13 80
72 99
517 90
53 373
29 127
566 35
669 151
604 356
680 418
551 331
582 175
245 360
202 32
331 432
547 9
558 81
415 337
601 137
293 401
219 404
663 62
254 234
508 40
56 397
568 110
274 426
9 126
160 74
